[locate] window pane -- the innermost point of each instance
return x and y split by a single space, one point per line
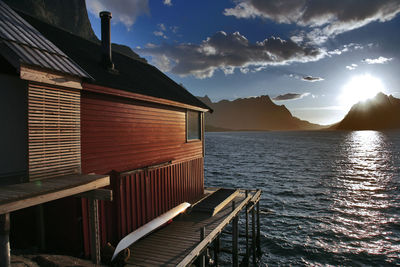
193 125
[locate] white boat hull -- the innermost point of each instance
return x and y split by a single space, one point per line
148 228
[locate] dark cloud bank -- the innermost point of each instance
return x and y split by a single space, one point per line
326 18
227 52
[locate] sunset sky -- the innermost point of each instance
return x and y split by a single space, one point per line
316 57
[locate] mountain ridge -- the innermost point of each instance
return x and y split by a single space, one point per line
379 113
253 114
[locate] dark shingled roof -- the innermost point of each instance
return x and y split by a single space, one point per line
133 75
21 43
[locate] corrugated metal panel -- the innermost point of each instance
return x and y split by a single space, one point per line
144 195
31 47
54 131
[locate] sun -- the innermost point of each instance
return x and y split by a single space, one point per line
360 88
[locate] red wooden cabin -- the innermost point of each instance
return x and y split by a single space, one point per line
137 125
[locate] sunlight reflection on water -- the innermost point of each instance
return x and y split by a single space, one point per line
363 179
333 197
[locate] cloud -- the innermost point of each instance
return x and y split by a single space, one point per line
352 67
230 51
303 77
123 11
379 60
346 48
174 29
167 2
162 27
325 18
312 79
161 31
160 34
290 96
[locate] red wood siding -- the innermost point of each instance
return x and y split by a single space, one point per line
120 134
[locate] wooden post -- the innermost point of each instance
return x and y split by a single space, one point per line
40 227
253 236
5 258
216 250
259 252
235 234
202 260
247 232
94 230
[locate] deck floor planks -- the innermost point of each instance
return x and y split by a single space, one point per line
145 255
185 240
164 247
147 262
164 258
173 239
171 244
161 247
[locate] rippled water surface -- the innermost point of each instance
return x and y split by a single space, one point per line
329 198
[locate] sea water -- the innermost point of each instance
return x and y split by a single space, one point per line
329 198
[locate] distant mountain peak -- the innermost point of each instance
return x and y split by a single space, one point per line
257 113
378 113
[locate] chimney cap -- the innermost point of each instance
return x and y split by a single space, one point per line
105 14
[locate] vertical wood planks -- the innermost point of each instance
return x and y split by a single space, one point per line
142 196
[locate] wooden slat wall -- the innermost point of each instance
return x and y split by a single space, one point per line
120 134
144 195
54 131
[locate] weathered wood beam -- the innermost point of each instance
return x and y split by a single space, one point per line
99 194
29 199
221 205
50 77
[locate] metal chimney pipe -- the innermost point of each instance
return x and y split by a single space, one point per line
106 39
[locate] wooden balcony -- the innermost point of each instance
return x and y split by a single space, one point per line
186 239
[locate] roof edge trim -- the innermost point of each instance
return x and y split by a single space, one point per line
121 93
37 74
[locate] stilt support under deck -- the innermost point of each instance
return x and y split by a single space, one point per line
258 239
217 247
246 259
94 230
253 236
235 236
5 258
202 260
